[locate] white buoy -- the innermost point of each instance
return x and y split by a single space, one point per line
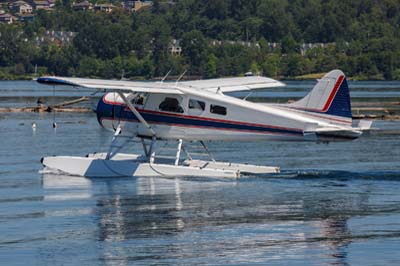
33 125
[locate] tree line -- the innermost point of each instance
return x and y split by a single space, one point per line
363 38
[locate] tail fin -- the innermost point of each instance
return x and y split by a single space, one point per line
330 95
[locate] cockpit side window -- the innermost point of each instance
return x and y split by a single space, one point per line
140 99
197 105
170 105
217 109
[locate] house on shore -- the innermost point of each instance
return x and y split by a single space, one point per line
21 7
43 4
108 8
7 18
82 6
174 47
134 6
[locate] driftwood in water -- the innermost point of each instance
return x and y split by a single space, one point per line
40 109
82 99
374 104
377 117
59 107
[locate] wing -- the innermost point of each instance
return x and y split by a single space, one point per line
212 85
113 85
233 84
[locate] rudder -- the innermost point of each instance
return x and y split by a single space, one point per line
331 95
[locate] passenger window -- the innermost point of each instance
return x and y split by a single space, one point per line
217 109
170 105
198 105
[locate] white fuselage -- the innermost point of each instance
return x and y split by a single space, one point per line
212 116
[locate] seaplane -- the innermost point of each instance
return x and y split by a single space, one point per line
201 111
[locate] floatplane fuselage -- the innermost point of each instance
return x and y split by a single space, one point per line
202 111
205 115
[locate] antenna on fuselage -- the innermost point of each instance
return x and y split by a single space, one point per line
181 76
162 80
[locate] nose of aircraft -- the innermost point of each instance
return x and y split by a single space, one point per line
105 114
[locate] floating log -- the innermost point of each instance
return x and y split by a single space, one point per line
374 104
40 109
82 99
377 117
59 107
369 116
74 110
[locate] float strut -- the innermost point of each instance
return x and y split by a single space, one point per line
178 152
137 114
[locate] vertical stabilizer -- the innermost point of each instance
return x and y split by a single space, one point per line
330 95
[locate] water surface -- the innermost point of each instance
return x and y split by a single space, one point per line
336 204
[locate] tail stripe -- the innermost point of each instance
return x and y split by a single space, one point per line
333 94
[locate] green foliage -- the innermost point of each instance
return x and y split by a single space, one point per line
365 37
270 66
211 67
396 74
10 43
194 48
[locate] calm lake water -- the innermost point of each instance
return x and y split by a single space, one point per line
336 204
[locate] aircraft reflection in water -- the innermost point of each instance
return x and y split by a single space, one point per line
202 218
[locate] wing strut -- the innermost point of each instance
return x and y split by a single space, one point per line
137 114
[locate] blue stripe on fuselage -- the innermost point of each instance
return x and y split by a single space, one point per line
110 111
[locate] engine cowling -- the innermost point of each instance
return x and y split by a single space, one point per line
110 111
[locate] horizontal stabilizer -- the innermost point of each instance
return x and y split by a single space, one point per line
313 130
363 124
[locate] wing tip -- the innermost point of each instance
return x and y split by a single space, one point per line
52 80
